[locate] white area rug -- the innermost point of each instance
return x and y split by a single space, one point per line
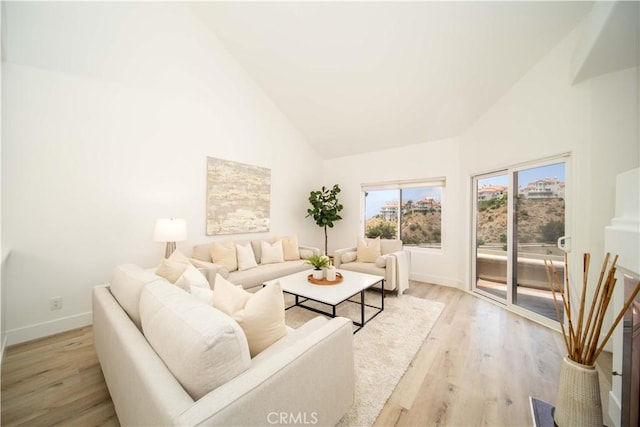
384 348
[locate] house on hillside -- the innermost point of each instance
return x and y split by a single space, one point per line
545 188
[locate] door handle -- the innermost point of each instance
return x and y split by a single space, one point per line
564 243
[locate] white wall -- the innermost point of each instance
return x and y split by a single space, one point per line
542 115
422 161
110 110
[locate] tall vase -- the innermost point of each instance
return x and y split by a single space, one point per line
578 402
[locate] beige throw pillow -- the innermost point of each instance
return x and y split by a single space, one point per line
368 251
246 258
271 252
171 270
228 297
224 254
290 248
178 256
260 315
262 318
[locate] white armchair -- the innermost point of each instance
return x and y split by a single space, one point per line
392 263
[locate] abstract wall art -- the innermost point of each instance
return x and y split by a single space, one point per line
238 197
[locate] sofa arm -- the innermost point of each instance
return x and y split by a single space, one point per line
312 380
211 270
337 255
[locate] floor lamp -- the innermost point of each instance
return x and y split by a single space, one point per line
170 230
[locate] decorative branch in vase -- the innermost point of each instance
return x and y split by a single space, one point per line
582 335
578 400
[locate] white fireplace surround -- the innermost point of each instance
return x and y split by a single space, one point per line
622 237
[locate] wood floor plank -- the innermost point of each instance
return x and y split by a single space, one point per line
478 366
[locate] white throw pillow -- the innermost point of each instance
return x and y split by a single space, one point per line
202 294
202 347
290 248
381 261
192 277
260 315
224 254
368 251
305 253
228 297
246 259
271 252
348 257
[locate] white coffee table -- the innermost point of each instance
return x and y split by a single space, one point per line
353 283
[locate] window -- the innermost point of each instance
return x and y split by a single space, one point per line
410 211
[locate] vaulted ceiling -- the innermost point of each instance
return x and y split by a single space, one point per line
355 77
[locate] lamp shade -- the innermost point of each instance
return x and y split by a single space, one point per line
170 230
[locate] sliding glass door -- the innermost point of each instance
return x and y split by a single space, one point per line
519 216
491 228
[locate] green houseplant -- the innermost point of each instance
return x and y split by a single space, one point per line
325 208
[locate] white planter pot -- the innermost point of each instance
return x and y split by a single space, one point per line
578 403
318 274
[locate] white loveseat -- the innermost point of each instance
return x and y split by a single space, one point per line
252 278
390 261
306 375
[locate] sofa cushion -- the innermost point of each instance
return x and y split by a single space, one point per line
126 283
368 250
246 257
381 261
290 248
364 267
257 276
260 315
271 252
202 347
224 254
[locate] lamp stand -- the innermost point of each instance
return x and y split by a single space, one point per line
171 246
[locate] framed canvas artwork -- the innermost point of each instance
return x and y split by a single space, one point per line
238 197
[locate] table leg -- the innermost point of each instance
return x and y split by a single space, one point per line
362 308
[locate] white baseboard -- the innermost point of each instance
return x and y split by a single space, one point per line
615 410
44 329
436 280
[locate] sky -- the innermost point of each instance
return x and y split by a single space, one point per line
526 176
376 199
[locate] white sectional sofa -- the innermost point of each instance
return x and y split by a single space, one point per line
252 278
169 358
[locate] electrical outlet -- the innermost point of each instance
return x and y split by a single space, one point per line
55 303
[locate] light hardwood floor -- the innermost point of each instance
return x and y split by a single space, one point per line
478 366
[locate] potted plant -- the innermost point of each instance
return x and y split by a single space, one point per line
318 262
324 208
